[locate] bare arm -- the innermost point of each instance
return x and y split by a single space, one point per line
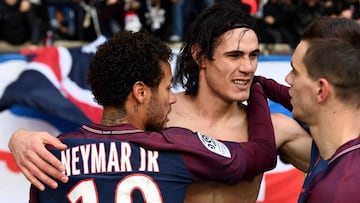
292 141
34 160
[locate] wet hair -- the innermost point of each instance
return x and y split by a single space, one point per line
127 57
334 54
206 32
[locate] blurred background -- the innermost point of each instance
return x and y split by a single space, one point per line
45 47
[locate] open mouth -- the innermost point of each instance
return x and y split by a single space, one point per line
241 82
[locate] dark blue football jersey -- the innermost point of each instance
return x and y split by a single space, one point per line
336 179
122 164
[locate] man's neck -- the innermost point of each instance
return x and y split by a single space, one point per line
210 118
113 116
334 129
213 106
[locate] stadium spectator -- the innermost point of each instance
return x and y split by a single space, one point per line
340 8
273 23
299 16
20 22
62 21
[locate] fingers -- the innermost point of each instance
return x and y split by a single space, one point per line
50 158
51 140
38 165
32 179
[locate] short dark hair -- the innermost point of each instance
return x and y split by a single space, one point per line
328 27
205 32
127 57
333 53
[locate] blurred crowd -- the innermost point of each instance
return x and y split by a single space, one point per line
41 22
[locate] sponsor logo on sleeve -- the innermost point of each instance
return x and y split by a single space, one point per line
214 145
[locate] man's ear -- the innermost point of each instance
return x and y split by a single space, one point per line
195 53
323 90
139 91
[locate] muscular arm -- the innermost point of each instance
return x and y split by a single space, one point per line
293 142
34 160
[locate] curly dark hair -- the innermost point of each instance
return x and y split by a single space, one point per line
205 32
127 57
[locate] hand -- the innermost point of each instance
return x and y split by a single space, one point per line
275 91
34 160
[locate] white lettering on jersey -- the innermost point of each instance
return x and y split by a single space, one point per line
142 159
85 153
149 160
74 161
113 162
153 161
94 159
214 145
125 157
98 158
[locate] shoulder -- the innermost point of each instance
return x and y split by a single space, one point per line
349 153
178 131
181 99
286 124
73 135
180 111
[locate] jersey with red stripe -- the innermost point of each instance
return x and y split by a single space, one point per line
124 164
334 180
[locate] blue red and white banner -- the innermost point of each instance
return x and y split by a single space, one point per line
46 90
55 83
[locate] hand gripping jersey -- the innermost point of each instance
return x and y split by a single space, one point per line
122 164
276 92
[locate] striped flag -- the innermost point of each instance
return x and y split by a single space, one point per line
55 83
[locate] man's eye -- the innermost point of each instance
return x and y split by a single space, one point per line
233 55
254 55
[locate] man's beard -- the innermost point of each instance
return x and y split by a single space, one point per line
154 128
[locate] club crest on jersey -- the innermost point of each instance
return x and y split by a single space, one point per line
214 145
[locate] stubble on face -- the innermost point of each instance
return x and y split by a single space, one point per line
156 114
159 105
